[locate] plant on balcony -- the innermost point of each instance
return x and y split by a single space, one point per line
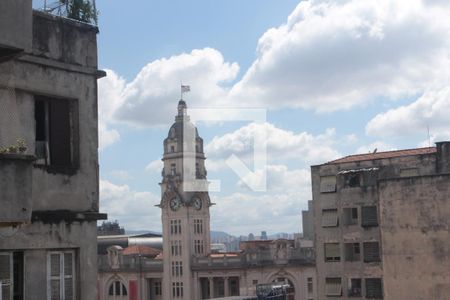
81 10
20 147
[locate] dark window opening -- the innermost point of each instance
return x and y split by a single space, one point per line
355 290
352 180
351 216
352 252
55 138
369 216
374 288
172 149
371 252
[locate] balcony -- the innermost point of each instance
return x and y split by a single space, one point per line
15 188
130 264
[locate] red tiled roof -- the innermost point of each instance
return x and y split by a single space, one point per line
143 250
381 155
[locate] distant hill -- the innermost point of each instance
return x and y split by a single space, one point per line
219 235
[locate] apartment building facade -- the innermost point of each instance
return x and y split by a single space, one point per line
377 218
49 179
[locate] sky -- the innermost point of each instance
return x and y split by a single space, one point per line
334 78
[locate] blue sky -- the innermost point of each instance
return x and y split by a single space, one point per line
336 78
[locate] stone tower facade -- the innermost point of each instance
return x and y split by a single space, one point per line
185 206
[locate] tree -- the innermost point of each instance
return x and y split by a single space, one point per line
81 10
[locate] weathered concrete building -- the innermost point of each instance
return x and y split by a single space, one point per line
49 190
381 225
187 268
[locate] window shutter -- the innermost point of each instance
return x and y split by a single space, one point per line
369 216
329 218
68 276
374 288
55 275
328 184
332 250
371 252
333 287
5 276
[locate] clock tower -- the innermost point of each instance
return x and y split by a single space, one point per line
184 209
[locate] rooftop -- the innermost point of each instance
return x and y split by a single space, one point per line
141 250
382 155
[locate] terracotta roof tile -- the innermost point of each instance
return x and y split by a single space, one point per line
381 155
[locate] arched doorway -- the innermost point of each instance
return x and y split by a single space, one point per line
117 291
289 291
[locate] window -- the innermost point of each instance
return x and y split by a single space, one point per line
173 169
117 288
234 286
172 148
60 275
198 226
374 288
254 282
371 252
354 287
333 286
177 268
175 226
198 247
328 184
329 218
352 179
350 216
352 252
332 252
56 121
175 248
157 288
177 289
11 275
309 282
369 216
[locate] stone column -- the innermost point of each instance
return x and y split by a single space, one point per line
211 287
226 287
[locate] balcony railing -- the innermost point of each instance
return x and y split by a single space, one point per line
131 263
80 10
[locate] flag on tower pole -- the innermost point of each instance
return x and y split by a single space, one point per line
185 89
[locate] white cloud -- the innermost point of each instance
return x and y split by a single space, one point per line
329 55
151 98
431 109
281 144
332 55
155 166
110 90
134 210
281 179
240 212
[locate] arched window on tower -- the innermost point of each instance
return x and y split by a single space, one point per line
117 291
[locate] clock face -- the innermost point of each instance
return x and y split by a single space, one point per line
175 203
197 202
